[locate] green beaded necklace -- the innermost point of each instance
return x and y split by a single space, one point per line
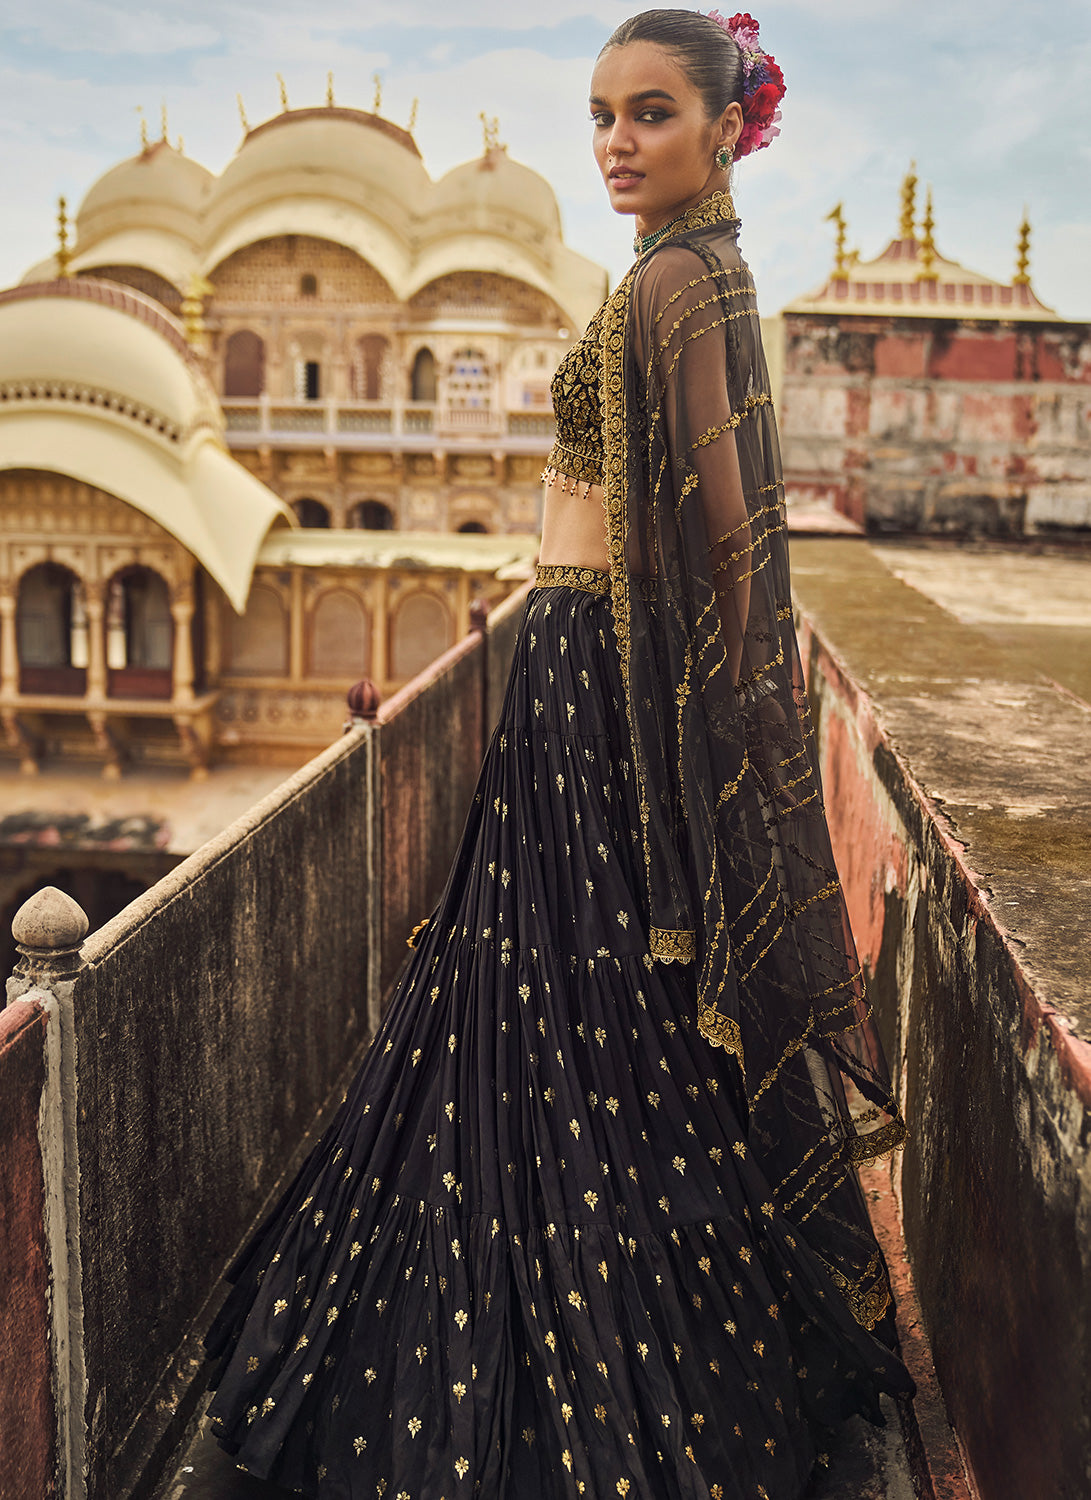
644 242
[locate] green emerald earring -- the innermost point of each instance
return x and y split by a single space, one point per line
724 157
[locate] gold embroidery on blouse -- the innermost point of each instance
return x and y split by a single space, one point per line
577 407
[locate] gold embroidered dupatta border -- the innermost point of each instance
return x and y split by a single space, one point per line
665 945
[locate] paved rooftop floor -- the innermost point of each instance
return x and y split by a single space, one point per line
977 660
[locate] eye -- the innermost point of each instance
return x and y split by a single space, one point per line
601 117
653 116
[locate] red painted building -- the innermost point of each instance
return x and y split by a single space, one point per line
917 395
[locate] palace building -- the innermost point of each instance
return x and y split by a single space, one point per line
319 339
917 395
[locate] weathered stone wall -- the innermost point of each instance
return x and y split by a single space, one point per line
993 1076
939 426
28 1455
214 1019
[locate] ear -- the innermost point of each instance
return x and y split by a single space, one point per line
730 125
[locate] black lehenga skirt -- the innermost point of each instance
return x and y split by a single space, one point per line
532 1257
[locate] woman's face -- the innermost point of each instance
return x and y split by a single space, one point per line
654 145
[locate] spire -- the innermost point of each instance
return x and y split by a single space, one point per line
245 123
928 244
283 93
490 129
64 255
413 116
1022 263
906 230
163 121
377 80
841 259
144 141
329 89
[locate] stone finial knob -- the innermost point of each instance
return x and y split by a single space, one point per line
363 701
49 919
48 930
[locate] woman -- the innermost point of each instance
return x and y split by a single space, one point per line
587 1223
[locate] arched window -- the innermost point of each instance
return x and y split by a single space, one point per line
139 635
367 367
475 526
312 514
257 642
308 285
424 376
340 644
51 631
371 515
469 382
244 364
422 630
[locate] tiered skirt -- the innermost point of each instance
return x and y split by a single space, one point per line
532 1257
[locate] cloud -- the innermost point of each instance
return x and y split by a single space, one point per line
871 84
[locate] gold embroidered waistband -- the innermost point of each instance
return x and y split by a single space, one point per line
565 576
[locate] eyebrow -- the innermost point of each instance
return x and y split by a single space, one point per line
640 98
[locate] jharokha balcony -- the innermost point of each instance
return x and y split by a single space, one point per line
364 424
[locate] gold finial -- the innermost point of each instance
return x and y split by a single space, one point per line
1022 263
841 259
377 80
906 230
329 89
928 244
193 312
490 129
283 93
243 121
163 121
181 146
64 255
144 141
414 107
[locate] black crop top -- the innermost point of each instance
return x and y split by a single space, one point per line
577 407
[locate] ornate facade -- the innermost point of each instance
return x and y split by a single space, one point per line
243 421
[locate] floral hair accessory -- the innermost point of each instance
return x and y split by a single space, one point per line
763 84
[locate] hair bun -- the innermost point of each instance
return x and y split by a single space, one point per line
763 83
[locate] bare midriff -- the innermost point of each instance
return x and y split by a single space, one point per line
574 527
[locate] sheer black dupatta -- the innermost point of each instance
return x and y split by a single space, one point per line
740 874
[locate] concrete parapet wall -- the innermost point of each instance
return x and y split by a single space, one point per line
977 979
28 1446
213 1019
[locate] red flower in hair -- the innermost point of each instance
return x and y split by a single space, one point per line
761 107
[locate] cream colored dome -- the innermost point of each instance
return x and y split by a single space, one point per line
161 187
341 156
98 384
493 193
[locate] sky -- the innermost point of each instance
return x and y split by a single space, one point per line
992 100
